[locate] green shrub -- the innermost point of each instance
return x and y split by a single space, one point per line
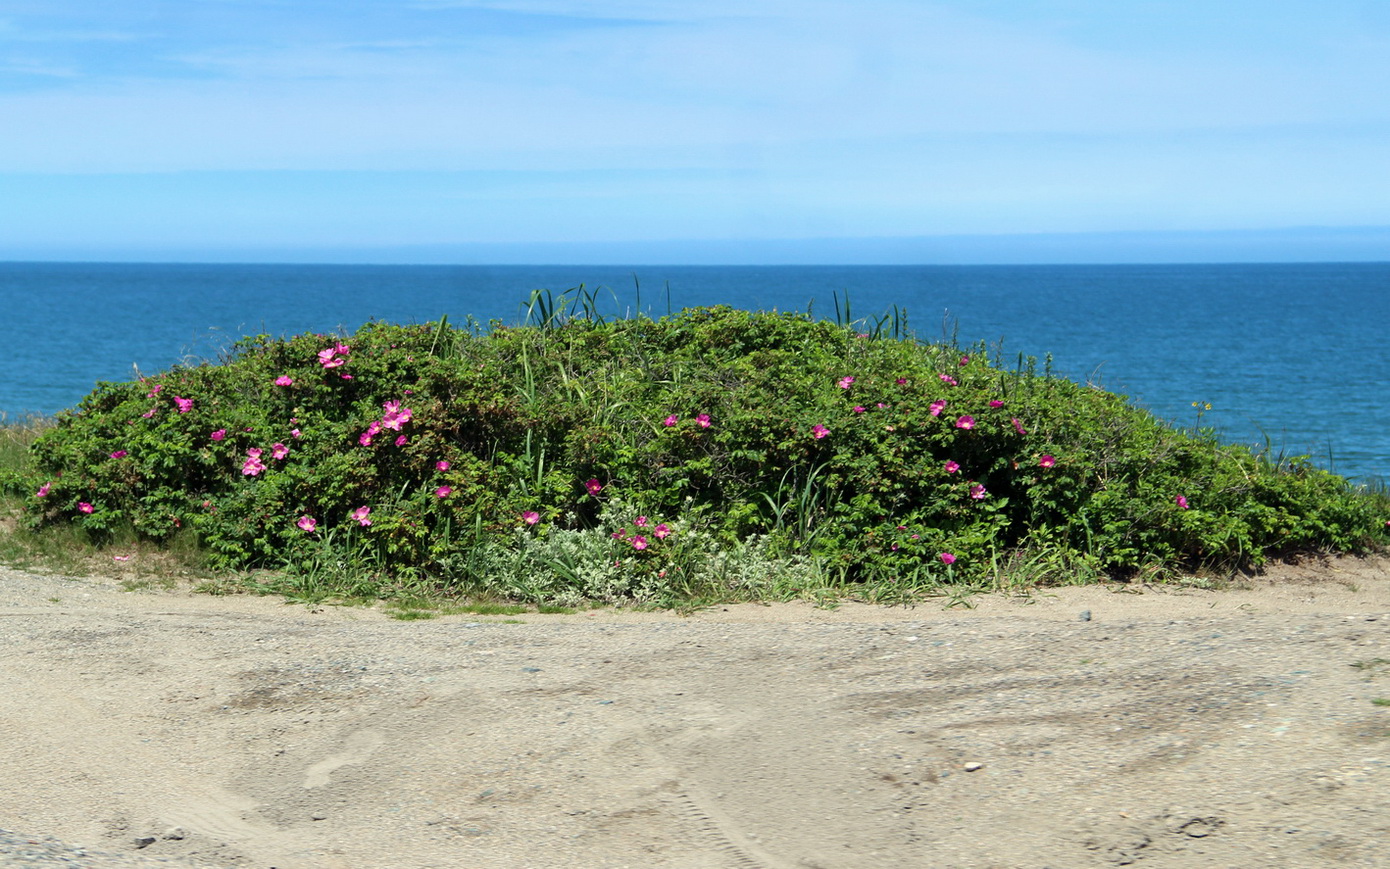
538 462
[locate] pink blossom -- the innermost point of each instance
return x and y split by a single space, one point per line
158 388
365 439
401 441
84 507
948 380
279 451
846 382
593 486
977 492
334 356
219 434
966 421
119 454
951 466
443 492
294 432
530 517
639 542
396 416
620 534
938 406
1047 462
374 428
284 380
881 405
441 466
947 558
670 420
994 402
149 413
43 490
964 361
819 431
859 408
1018 426
640 522
345 376
252 467
702 420
184 404
901 381
360 516
662 531
255 452
308 523
1181 501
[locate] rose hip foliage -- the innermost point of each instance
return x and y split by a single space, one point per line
877 459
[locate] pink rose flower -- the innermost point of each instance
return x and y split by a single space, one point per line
43 490
119 454
308 523
360 516
938 406
819 431
670 420
662 531
1181 501
966 422
284 380
1047 462
84 507
639 542
947 558
443 492
219 434
702 420
593 487
184 404
846 382
951 467
977 492
441 466
530 517
279 451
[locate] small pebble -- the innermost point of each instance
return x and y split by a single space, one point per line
144 841
1085 615
972 766
318 816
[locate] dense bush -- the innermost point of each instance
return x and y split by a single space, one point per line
705 452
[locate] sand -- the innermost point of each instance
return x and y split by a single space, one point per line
1176 727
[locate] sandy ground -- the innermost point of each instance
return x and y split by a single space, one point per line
1175 727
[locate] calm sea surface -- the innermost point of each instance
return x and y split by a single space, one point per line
1295 353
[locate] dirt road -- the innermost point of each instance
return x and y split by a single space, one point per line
1174 728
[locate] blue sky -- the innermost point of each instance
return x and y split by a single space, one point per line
297 128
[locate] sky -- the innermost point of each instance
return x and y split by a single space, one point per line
519 130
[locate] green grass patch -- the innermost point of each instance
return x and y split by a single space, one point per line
712 455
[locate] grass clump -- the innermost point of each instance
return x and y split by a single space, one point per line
711 454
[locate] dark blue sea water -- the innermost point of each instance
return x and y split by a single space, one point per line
1293 353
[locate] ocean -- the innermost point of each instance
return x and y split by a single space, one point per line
1293 355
